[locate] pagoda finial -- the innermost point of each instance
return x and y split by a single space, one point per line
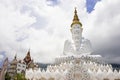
28 52
15 57
76 19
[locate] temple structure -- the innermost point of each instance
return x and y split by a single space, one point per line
12 67
19 66
4 69
29 62
77 61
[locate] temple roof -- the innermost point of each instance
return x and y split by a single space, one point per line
14 61
27 59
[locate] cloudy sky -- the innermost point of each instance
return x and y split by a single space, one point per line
44 25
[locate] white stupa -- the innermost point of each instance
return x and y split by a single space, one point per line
77 62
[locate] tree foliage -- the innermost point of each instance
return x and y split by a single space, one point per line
19 76
7 76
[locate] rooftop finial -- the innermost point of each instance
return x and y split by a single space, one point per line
28 52
15 56
76 19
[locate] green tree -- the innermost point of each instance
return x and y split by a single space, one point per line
7 76
19 76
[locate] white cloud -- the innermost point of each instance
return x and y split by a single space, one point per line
18 21
11 22
19 31
105 19
103 28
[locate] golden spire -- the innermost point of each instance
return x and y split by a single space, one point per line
76 19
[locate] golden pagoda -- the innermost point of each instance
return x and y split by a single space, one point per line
76 19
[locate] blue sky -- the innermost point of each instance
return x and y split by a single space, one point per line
43 26
2 58
90 5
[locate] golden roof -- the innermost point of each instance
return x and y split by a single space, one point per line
76 19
